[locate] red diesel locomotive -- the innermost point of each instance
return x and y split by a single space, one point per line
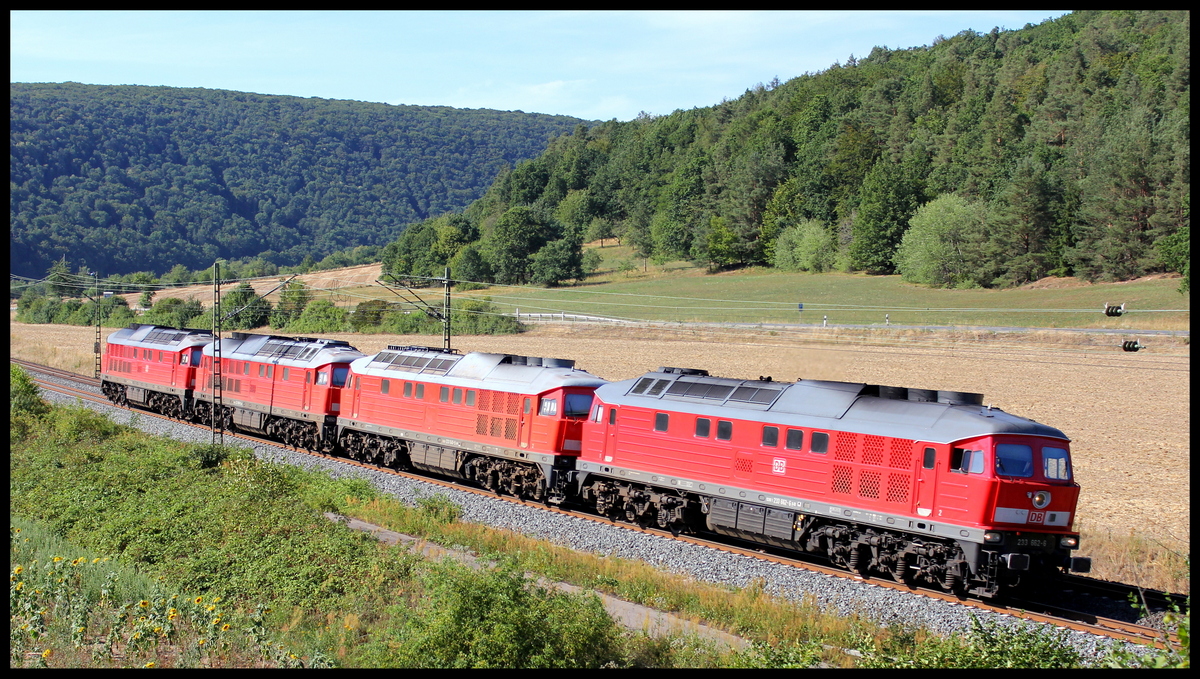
153 367
511 424
287 388
920 485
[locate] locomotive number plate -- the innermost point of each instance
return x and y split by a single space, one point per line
1039 541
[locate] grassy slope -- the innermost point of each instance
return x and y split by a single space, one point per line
768 296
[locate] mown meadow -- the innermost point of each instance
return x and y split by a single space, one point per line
628 287
128 550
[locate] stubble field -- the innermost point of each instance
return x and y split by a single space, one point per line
1128 415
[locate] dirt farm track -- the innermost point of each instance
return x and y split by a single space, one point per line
1128 415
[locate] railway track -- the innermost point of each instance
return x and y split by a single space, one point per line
1048 613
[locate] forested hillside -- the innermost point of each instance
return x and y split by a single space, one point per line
980 160
128 178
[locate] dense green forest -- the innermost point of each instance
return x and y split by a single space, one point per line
128 178
981 160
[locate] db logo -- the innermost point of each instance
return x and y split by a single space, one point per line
1037 517
779 466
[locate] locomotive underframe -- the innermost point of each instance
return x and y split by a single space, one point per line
542 479
176 405
959 566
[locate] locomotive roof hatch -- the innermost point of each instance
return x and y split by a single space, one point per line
523 374
156 336
414 359
298 351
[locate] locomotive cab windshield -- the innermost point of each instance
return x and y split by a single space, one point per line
1032 460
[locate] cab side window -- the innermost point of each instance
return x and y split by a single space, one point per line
965 461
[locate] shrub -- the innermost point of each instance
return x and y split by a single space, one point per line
988 644
24 395
497 619
320 316
943 246
807 247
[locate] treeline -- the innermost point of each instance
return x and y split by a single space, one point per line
1056 149
128 178
69 300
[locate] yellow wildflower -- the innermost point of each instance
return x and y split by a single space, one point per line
57 559
20 585
47 653
210 608
198 600
149 664
96 560
216 621
216 600
201 642
225 627
143 603
19 569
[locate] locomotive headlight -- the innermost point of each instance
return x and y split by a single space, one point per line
1041 499
1069 542
993 537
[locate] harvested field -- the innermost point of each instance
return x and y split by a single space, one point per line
1128 415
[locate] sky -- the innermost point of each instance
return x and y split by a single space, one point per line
595 65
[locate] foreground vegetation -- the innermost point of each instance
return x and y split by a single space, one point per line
127 550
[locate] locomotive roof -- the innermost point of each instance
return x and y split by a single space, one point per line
159 337
500 372
300 352
843 406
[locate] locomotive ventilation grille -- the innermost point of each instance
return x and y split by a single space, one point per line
859 468
501 404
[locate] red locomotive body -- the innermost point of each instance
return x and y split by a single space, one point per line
284 387
511 423
152 367
876 478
